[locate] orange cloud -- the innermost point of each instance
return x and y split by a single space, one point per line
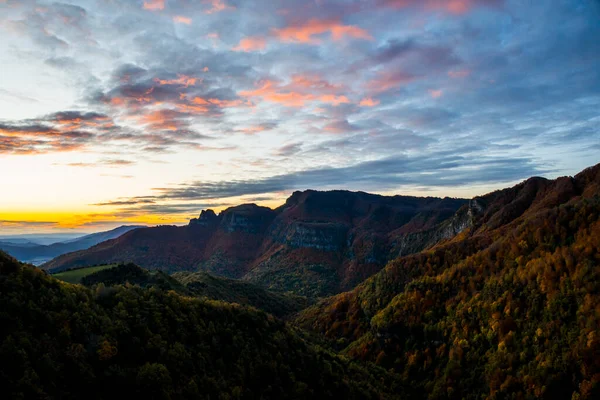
271 92
459 73
368 102
181 80
333 99
252 43
306 32
436 94
182 20
167 120
218 6
154 5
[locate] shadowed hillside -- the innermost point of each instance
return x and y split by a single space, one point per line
198 284
66 341
506 309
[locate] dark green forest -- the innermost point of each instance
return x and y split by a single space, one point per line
68 341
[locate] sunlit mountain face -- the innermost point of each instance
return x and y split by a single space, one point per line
118 112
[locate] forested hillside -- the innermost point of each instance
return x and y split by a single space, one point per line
66 341
508 309
199 284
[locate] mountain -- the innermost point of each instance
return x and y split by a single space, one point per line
59 340
317 243
509 308
31 252
40 238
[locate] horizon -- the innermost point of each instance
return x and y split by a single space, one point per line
147 112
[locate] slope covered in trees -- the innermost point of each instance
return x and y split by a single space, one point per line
66 341
199 284
235 291
508 309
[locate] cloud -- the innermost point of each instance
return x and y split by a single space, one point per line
267 126
57 132
180 19
436 93
450 6
369 102
154 5
218 6
460 73
441 169
289 150
309 32
251 44
386 80
298 92
110 162
342 126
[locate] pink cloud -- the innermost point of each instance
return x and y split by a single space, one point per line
252 43
154 5
182 20
436 94
218 6
368 102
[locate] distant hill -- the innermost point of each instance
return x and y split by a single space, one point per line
28 251
66 341
509 308
317 243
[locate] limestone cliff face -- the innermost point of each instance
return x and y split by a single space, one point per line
322 236
415 242
248 218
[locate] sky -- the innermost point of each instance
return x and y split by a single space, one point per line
115 112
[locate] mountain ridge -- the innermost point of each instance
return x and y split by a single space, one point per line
38 253
335 237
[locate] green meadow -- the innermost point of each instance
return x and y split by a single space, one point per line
76 275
